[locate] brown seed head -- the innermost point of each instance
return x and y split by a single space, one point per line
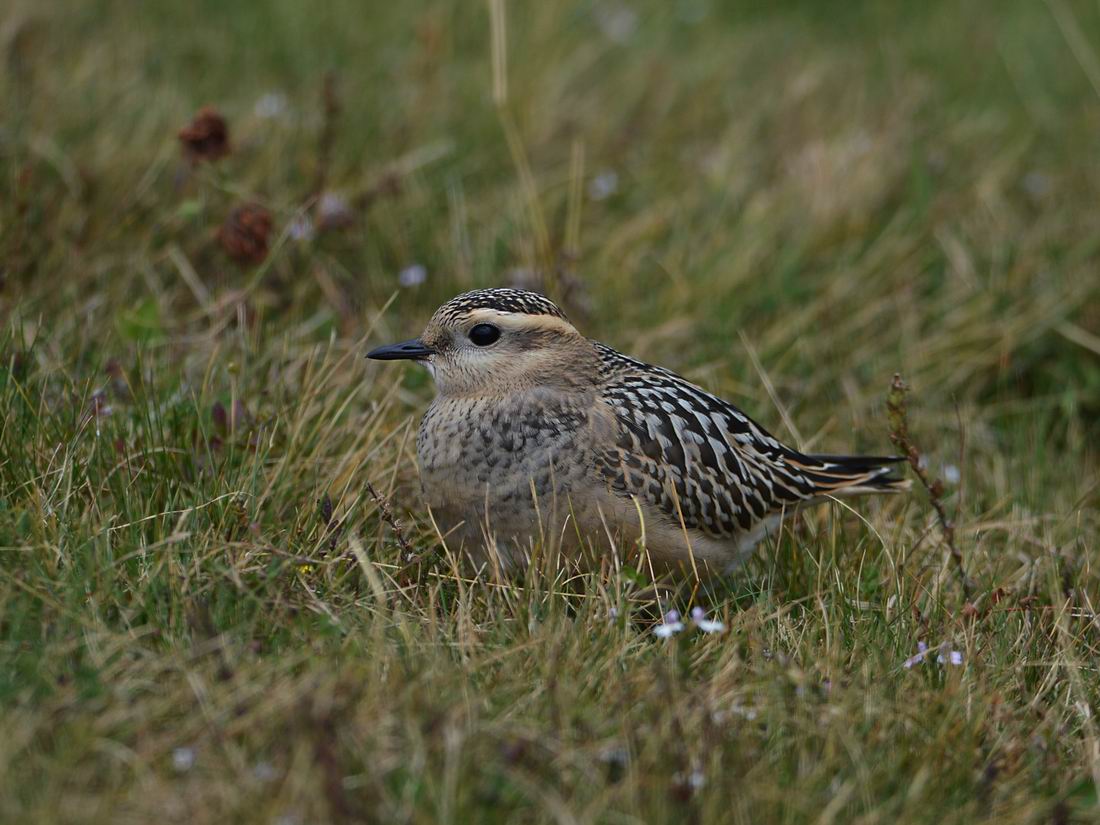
245 232
206 137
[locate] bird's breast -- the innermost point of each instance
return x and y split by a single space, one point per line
479 451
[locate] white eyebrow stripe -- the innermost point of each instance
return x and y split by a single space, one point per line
519 321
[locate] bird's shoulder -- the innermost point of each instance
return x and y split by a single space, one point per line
642 393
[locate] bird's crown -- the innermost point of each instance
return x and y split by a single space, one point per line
518 301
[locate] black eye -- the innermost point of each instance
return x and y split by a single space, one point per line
484 334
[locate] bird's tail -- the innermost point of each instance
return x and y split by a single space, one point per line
853 475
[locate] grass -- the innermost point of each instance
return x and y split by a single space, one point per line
201 612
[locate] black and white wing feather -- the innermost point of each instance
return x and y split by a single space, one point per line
702 462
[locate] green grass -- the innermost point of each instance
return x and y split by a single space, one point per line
844 190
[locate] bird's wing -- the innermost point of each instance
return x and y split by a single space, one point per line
700 460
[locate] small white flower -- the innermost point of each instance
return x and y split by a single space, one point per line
183 759
1037 185
413 275
617 21
265 772
99 404
271 105
613 613
699 616
614 755
301 228
604 185
922 651
953 657
670 627
951 474
696 780
334 212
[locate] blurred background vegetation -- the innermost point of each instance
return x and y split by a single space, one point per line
196 617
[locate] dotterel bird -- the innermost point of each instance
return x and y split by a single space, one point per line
538 433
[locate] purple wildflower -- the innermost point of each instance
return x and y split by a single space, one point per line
699 617
670 626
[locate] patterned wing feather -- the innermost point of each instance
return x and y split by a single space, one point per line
699 459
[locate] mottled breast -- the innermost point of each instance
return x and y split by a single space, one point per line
495 457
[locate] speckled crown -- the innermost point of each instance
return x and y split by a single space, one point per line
502 300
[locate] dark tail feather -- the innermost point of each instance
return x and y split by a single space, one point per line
848 475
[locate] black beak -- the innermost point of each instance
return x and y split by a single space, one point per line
413 350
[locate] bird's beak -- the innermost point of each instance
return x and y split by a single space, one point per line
414 350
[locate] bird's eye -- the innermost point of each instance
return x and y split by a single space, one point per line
484 334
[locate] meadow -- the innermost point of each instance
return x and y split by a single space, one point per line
220 597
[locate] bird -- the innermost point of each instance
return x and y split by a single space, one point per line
541 436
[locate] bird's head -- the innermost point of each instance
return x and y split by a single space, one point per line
498 341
